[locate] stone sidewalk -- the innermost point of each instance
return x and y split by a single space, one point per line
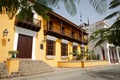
67 72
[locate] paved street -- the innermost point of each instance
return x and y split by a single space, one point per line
111 72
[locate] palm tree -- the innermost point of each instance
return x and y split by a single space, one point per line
110 34
11 7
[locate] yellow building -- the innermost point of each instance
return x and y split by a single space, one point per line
38 39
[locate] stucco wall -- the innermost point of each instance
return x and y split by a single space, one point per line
5 45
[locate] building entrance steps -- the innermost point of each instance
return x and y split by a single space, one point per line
30 67
27 67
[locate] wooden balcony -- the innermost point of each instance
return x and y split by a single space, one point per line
32 24
56 31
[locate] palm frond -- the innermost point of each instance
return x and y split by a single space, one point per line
99 43
99 36
116 24
78 1
114 5
118 18
70 6
99 5
114 2
44 2
112 15
53 3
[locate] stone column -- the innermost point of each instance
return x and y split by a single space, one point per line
108 53
58 50
118 56
70 56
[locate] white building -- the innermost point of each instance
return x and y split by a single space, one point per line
106 51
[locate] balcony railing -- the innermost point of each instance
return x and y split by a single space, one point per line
56 31
32 24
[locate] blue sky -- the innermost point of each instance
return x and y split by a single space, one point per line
87 11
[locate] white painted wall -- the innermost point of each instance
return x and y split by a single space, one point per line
97 50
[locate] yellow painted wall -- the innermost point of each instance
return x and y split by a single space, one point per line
70 49
57 57
80 64
5 45
12 65
78 49
71 64
39 40
85 38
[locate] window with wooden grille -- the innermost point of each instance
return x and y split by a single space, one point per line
64 49
50 47
74 49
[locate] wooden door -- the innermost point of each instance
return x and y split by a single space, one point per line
24 46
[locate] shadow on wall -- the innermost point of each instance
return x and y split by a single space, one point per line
3 42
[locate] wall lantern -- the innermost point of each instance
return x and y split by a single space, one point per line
5 32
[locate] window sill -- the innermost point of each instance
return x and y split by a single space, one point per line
64 57
50 56
74 57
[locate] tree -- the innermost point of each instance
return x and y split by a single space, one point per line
11 7
24 7
111 35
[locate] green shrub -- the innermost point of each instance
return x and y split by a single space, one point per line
79 57
13 53
98 56
94 56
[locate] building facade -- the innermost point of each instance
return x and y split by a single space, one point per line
105 50
39 39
